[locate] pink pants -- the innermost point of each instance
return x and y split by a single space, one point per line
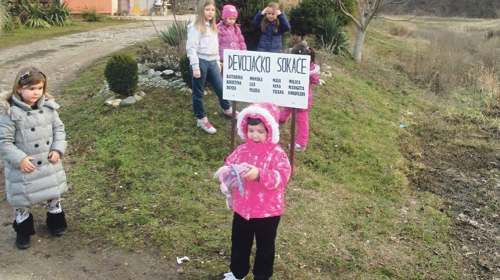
302 121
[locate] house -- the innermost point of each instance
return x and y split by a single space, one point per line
112 7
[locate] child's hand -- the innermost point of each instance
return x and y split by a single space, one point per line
220 65
264 11
26 166
54 156
253 174
196 73
277 12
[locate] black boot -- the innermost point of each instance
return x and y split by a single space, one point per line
57 223
24 230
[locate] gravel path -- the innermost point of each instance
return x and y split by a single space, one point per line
72 256
61 57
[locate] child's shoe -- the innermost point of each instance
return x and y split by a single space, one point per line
230 276
205 125
229 112
24 230
298 148
57 223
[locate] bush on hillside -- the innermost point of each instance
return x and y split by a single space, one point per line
172 36
9 16
90 14
304 16
185 71
4 17
34 15
121 73
59 14
332 37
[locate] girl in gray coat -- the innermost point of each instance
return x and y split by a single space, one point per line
32 142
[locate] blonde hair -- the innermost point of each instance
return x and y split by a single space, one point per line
265 21
199 22
29 76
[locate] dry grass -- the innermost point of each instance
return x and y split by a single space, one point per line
287 4
450 56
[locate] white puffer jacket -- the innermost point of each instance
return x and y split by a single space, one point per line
32 132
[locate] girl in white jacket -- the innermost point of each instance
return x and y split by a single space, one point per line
32 142
202 47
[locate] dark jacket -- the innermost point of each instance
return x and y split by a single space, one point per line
270 41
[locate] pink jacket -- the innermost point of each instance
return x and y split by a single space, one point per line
313 79
230 37
265 197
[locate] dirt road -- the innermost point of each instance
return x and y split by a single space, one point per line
72 256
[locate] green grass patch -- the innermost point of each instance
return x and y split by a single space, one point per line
142 177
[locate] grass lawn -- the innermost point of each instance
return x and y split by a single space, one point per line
141 176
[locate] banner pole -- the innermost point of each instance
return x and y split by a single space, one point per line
292 138
233 126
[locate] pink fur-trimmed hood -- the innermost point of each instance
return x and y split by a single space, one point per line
269 114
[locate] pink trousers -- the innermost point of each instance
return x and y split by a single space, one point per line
302 122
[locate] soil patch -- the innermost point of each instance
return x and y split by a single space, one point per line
467 178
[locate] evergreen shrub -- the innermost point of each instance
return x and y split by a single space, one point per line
305 18
185 71
121 73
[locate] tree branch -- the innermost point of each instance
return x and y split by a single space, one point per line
346 12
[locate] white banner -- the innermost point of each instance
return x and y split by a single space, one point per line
280 78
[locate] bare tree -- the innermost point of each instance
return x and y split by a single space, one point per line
366 11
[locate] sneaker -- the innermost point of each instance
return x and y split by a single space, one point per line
205 125
229 112
230 276
298 147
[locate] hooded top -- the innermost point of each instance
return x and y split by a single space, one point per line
230 37
201 46
265 197
25 131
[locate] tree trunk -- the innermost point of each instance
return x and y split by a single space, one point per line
358 45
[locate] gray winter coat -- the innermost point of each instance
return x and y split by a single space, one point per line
27 132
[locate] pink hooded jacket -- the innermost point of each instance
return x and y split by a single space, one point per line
230 37
265 197
313 79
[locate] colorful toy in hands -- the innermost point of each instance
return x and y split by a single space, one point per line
230 178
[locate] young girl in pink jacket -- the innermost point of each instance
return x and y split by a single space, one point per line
259 203
230 36
302 117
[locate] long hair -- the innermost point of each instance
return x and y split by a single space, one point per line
303 49
199 22
29 76
265 21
